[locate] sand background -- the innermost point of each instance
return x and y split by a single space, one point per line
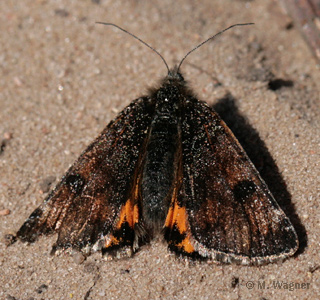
63 78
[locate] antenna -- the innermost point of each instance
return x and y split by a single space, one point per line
207 40
154 50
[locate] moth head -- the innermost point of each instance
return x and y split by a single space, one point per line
175 76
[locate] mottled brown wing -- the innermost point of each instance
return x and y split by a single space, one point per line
96 200
224 210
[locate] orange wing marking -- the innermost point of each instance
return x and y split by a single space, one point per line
129 214
177 216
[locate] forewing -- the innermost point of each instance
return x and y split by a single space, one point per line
96 200
224 210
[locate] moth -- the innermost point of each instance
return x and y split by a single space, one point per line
166 165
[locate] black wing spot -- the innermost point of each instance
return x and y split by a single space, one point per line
125 237
125 234
243 190
173 235
75 183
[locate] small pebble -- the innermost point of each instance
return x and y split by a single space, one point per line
5 212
